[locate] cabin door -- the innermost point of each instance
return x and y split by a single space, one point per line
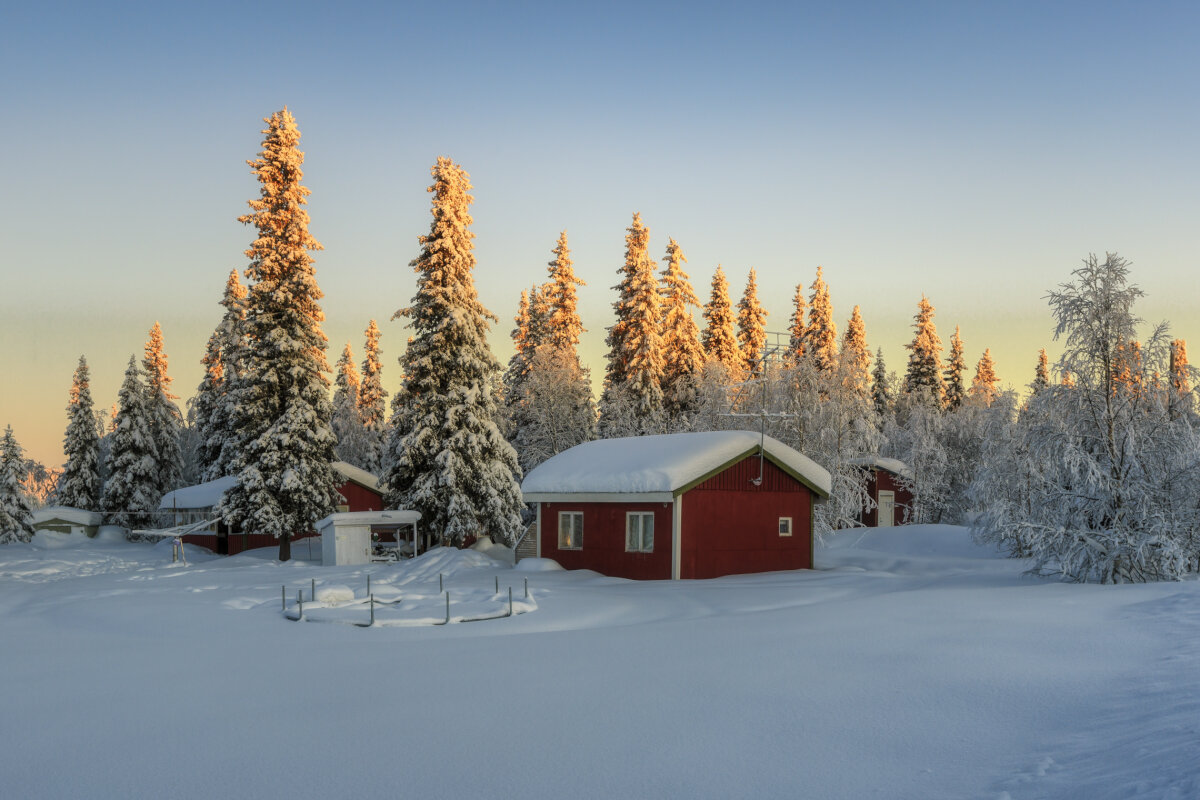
886 513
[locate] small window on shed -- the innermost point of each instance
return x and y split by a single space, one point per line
570 530
785 526
639 532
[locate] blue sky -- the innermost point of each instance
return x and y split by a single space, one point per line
974 152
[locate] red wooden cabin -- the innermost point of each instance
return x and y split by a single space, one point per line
889 484
359 489
683 505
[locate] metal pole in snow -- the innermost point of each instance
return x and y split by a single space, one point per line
527 588
447 608
283 598
300 603
497 584
368 583
440 587
314 589
510 601
372 609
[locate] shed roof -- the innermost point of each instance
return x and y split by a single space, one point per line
659 467
69 514
892 465
207 495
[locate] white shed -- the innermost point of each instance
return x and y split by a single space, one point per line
346 535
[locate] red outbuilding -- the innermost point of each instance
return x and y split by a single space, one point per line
682 505
359 491
889 485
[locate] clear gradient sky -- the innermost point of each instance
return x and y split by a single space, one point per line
974 152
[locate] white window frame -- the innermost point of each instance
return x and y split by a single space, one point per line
640 515
573 543
785 526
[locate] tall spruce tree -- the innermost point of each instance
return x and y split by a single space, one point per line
955 392
1181 401
881 392
1041 375
131 492
284 441
855 355
79 485
923 380
347 422
985 386
820 335
563 326
213 407
752 327
719 339
16 519
446 456
372 401
796 329
637 257
166 423
683 355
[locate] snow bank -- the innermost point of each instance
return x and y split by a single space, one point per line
335 595
52 540
111 533
538 565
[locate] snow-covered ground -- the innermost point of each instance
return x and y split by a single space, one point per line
912 665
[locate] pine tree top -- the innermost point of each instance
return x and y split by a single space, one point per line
855 352
924 375
719 338
155 365
564 325
796 327
820 336
985 385
955 392
752 321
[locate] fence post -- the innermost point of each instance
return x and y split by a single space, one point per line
440 587
368 583
314 589
372 609
283 598
527 588
497 584
447 608
510 601
300 603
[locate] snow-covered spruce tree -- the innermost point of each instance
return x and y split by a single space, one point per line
446 456
1041 375
719 339
79 484
985 386
752 327
214 403
683 354
795 350
881 390
955 391
923 378
820 335
372 401
563 325
347 422
1100 481
165 420
1181 380
855 355
283 439
16 520
131 492
633 385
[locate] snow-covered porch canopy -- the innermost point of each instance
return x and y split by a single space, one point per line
346 535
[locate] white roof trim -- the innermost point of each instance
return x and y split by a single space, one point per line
599 497
393 516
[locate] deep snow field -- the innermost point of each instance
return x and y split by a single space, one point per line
912 664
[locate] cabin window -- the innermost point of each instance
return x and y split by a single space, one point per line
785 526
639 532
570 530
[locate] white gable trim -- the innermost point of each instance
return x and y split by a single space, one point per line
598 497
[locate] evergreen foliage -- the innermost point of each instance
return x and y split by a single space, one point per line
79 485
881 391
1041 376
683 354
131 492
985 386
719 340
16 520
637 262
820 335
214 406
166 423
855 355
923 379
372 401
796 328
563 325
282 436
347 422
1181 380
752 327
955 392
445 455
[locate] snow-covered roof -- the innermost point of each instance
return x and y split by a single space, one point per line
393 516
359 476
659 466
892 465
202 495
75 516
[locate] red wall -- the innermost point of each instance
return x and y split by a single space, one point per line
882 479
604 540
359 498
731 526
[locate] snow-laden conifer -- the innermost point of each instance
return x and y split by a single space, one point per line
446 456
955 391
881 390
214 405
16 520
1041 375
165 420
985 386
282 434
683 354
347 421
79 485
923 379
372 401
131 492
637 257
796 328
752 327
718 338
563 326
820 335
1181 379
855 355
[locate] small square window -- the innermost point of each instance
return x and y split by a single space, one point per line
639 532
785 526
570 530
